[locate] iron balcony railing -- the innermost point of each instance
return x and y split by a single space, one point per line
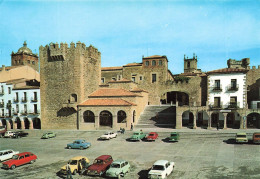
216 88
24 99
34 112
34 99
2 104
16 100
233 105
215 106
24 112
232 87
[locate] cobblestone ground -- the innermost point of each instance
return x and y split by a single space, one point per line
199 154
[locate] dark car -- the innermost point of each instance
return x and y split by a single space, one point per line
100 165
18 134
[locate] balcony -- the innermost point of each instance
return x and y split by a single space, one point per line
34 100
2 104
24 99
15 113
233 105
216 88
8 105
34 112
232 87
8 115
16 100
24 113
215 106
2 92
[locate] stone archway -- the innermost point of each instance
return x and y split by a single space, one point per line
202 119
172 97
3 122
253 120
187 119
26 123
36 123
105 119
217 118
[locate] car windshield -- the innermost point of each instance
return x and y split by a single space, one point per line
158 167
136 133
115 165
241 136
15 157
98 161
106 134
173 135
151 134
73 162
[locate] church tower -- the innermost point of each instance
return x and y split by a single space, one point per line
190 64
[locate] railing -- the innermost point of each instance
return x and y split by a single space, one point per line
2 104
24 112
2 92
232 87
24 99
233 105
34 100
216 88
214 106
8 105
16 100
34 112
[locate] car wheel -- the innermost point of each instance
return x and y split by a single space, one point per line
81 148
74 172
69 147
13 167
32 161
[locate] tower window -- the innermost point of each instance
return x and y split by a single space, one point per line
154 78
146 63
188 64
160 62
153 63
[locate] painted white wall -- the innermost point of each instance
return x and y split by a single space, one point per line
5 97
225 81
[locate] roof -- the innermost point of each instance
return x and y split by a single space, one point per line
138 90
111 68
119 161
160 162
133 64
106 102
228 70
23 153
155 56
109 92
103 157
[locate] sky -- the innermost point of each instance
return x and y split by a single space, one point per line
124 31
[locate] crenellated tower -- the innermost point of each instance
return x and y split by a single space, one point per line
68 75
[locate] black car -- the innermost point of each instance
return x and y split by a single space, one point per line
18 134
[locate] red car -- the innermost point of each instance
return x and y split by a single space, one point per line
19 159
152 136
100 165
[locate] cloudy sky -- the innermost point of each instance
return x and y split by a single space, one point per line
124 31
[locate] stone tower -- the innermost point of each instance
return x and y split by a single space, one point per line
190 64
24 56
68 76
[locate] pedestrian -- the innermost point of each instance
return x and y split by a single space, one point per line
123 130
132 127
217 125
69 176
84 165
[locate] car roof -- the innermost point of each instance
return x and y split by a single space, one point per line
77 158
241 133
119 161
23 153
103 157
153 133
5 150
161 162
80 140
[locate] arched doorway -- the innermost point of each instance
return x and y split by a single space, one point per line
121 117
36 123
187 119
230 120
3 122
217 118
253 120
134 116
105 118
202 119
26 123
89 117
175 96
18 123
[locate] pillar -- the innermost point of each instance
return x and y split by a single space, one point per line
209 121
30 123
178 119
225 120
22 125
8 126
195 121
114 121
96 122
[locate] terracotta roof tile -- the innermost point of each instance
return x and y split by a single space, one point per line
133 64
228 70
112 92
111 68
138 90
154 56
106 102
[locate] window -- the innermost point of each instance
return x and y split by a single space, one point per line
35 108
153 78
113 79
216 101
153 63
9 90
35 96
25 108
3 112
188 64
217 83
16 96
33 62
133 78
24 96
233 83
233 101
141 78
146 63
160 62
121 117
28 61
102 80
17 108
258 105
73 98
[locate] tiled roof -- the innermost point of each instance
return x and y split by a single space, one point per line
123 80
138 90
111 68
112 92
106 102
228 70
133 64
154 56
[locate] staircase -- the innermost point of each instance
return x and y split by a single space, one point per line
157 116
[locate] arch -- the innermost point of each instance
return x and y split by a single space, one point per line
88 116
36 123
105 118
18 123
73 98
121 116
172 97
202 119
253 120
217 117
187 119
134 115
11 124
26 123
3 122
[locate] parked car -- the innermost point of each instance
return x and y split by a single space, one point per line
108 135
48 135
161 169
152 136
118 169
174 137
20 159
137 136
2 130
75 165
256 138
9 134
7 154
79 144
241 138
100 165
18 134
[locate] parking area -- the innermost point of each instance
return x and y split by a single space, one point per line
196 155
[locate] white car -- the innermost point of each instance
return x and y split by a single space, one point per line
7 154
108 135
9 134
161 169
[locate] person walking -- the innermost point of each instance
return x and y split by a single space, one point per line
69 176
84 165
132 127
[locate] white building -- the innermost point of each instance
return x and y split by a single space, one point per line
226 94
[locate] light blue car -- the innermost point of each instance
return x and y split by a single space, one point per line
79 144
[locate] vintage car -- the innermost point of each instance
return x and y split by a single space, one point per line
241 138
48 135
100 165
7 154
152 136
2 131
18 134
75 165
118 169
161 169
9 134
79 144
108 135
256 138
19 159
137 136
174 137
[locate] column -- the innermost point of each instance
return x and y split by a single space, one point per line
209 120
30 123
114 123
14 124
8 126
22 125
225 120
96 122
195 121
178 119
